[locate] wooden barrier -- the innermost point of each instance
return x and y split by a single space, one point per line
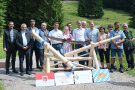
67 60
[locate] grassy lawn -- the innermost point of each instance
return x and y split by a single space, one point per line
2 53
1 86
110 16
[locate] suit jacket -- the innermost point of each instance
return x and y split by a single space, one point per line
19 40
7 40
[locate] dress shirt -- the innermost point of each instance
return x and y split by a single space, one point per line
116 33
11 35
92 34
24 38
56 34
79 34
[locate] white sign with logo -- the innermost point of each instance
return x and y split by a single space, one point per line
64 78
83 77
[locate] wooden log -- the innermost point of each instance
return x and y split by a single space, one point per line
56 53
84 54
73 58
89 46
82 66
61 69
95 59
48 65
91 53
57 64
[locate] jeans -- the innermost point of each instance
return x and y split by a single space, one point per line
41 56
58 47
77 46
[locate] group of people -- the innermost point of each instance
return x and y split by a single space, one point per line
23 41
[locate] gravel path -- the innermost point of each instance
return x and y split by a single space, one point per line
118 81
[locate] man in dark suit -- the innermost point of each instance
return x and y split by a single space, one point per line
9 46
25 43
32 28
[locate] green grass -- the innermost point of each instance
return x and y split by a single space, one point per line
1 85
110 16
2 53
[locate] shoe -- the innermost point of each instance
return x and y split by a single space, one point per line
29 73
22 74
121 69
111 70
7 72
132 68
127 69
15 71
114 67
38 67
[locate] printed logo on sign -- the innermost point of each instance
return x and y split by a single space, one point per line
77 77
45 78
101 75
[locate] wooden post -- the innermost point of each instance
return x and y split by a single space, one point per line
93 53
46 66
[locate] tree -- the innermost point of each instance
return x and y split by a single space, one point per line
2 15
90 8
21 11
50 11
132 20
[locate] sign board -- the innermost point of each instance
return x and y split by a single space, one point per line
45 79
83 77
101 75
64 78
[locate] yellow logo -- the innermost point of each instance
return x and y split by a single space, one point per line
101 75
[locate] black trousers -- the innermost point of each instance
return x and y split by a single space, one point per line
11 53
22 54
103 53
36 54
130 57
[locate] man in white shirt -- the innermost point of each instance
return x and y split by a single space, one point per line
57 44
79 35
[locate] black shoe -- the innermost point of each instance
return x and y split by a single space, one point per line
29 73
22 74
127 69
132 68
121 69
38 67
114 67
7 72
111 70
15 71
